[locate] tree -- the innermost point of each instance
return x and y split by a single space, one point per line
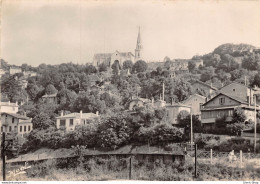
42 121
140 66
102 67
32 90
50 89
256 80
113 131
238 116
191 66
128 64
91 69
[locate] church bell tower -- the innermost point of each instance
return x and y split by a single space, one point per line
139 47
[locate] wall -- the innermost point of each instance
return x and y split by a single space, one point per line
195 101
9 109
174 111
67 123
6 122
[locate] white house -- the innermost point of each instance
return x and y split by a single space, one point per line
70 121
15 123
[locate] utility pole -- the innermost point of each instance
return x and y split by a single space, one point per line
255 127
195 161
3 154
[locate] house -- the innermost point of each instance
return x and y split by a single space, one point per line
223 105
195 101
9 107
15 123
202 87
70 121
52 98
239 90
138 102
14 70
29 74
174 109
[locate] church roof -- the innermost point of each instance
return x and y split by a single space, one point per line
102 56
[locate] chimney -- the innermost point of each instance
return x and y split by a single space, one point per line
211 84
9 102
24 113
152 101
172 101
81 114
61 114
16 103
97 113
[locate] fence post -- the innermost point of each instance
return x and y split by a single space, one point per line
211 156
130 168
195 160
241 158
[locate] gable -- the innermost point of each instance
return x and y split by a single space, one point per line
220 101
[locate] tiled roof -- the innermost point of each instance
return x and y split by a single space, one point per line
205 84
18 116
77 115
102 55
126 54
193 96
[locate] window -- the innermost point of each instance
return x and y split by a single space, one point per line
71 122
24 128
21 128
62 122
234 89
1 129
10 129
15 128
221 101
29 128
12 120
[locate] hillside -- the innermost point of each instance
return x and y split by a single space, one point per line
230 48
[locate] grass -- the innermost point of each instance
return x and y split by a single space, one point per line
114 169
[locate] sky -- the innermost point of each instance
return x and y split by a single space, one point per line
59 31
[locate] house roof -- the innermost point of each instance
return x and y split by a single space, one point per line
242 101
126 54
102 55
49 96
77 115
205 84
18 116
234 83
193 96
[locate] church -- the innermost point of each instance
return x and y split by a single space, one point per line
110 58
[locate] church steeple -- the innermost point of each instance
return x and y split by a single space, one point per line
139 47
